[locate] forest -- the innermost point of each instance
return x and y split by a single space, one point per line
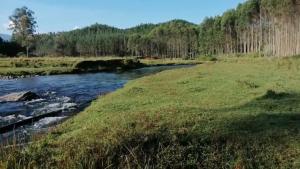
9 48
174 39
262 27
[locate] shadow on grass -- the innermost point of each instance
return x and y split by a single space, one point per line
274 111
268 130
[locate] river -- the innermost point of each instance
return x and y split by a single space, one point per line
66 94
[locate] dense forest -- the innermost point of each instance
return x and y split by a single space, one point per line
263 27
176 38
9 48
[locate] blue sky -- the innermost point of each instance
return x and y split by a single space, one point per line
63 15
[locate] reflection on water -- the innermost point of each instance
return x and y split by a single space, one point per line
65 93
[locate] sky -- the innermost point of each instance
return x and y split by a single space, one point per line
64 15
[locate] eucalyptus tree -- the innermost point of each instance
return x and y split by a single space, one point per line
211 36
23 25
228 23
265 27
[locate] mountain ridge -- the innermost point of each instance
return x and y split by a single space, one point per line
5 37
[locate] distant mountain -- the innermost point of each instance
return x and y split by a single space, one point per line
5 37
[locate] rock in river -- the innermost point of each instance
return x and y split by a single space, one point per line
20 96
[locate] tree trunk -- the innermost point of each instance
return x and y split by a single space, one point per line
27 51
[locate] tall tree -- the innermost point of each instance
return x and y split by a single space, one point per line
23 25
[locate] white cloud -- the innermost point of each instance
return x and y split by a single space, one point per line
8 25
76 27
5 25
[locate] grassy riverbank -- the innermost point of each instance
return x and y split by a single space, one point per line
236 113
16 67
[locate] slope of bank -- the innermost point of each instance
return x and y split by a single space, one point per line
236 113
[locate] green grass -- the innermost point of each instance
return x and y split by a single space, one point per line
16 67
40 62
236 113
42 65
177 61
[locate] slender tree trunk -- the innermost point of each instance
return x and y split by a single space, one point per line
27 51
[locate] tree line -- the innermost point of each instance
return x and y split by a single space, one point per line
264 27
9 48
174 39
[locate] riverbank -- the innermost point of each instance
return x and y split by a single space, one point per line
25 67
236 113
55 97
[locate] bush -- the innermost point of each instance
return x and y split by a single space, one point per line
207 58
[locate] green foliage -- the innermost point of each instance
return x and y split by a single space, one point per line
219 34
23 25
142 40
280 7
211 36
228 21
247 13
9 48
207 58
251 28
141 29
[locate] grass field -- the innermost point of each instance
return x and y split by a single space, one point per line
16 67
236 113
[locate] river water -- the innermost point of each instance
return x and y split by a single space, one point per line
64 93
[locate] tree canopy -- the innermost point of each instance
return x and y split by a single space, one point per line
176 38
23 25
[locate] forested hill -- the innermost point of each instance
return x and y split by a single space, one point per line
142 28
262 27
176 38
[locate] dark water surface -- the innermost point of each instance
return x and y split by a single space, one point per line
65 93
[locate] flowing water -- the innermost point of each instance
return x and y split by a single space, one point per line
66 94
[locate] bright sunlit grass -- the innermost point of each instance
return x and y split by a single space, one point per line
237 113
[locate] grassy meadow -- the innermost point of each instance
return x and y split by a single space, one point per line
235 113
23 66
16 67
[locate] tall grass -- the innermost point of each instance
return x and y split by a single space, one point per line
235 113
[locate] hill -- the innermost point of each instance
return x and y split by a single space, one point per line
145 40
5 37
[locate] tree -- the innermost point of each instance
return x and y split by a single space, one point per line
23 25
